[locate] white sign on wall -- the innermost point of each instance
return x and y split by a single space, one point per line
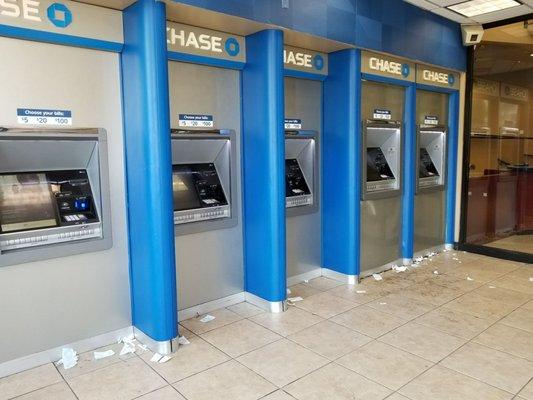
298 59
384 65
32 116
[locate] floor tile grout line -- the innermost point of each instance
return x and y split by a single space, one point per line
66 382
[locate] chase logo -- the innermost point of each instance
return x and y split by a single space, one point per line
232 47
406 70
59 15
451 79
318 62
202 40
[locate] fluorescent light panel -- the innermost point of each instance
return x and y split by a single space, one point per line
477 7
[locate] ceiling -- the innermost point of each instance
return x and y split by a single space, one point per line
439 7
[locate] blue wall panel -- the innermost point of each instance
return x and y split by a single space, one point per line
148 170
264 166
391 26
341 170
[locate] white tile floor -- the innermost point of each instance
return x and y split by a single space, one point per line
465 333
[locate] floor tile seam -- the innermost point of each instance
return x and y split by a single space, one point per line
67 378
66 382
454 371
212 329
292 333
473 377
18 396
523 387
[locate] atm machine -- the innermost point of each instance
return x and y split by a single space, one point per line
206 183
54 194
303 112
430 197
381 166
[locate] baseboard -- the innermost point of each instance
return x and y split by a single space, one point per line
338 276
296 279
210 306
274 307
435 249
53 355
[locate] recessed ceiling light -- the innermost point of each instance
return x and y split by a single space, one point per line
472 8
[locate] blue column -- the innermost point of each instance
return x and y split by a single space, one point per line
148 166
410 168
453 136
341 160
264 166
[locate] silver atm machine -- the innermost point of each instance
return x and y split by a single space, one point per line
54 194
381 165
303 121
432 115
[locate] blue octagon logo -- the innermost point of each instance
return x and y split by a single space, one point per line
405 70
232 47
59 15
451 79
318 62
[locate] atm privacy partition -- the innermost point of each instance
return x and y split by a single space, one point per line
54 194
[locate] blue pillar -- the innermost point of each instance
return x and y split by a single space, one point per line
453 136
410 169
341 160
264 167
148 166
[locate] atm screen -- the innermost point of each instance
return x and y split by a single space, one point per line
427 167
196 186
295 184
35 200
377 168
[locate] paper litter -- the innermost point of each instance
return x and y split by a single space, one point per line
377 277
306 281
207 318
288 291
436 272
183 341
531 279
158 358
98 355
399 269
294 299
164 359
360 291
492 287
69 358
469 279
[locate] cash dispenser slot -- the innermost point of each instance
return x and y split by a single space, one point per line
431 146
53 190
381 159
300 170
202 171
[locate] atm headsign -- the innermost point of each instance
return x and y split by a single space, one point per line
378 64
198 41
436 77
298 59
56 13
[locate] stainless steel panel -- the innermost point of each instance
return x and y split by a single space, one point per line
380 232
303 100
209 264
429 220
85 295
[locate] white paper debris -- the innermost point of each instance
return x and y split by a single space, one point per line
419 259
127 349
492 287
436 272
360 291
98 355
531 279
156 357
288 291
69 358
377 277
399 269
295 299
306 281
127 339
469 279
182 340
382 304
164 359
142 347
207 318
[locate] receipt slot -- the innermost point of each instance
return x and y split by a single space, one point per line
54 194
203 180
301 171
